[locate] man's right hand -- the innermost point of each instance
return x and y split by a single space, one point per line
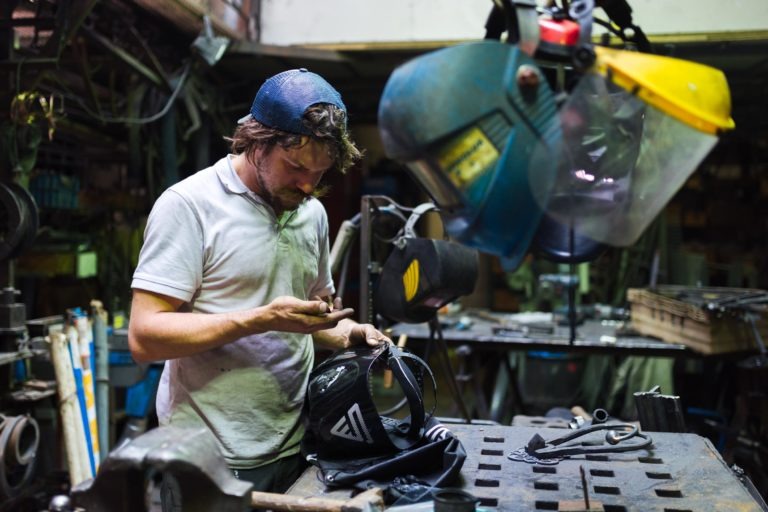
289 314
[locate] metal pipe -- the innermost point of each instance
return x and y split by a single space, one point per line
99 316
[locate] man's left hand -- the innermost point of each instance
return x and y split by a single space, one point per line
348 332
367 333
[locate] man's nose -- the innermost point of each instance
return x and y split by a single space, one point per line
306 186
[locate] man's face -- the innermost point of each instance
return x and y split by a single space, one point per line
287 177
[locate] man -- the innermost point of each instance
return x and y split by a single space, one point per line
234 277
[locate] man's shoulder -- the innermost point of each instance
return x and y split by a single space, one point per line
200 184
207 175
313 208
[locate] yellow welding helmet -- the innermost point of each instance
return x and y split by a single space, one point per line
633 130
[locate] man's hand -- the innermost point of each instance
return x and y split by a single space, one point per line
366 333
355 334
289 314
348 332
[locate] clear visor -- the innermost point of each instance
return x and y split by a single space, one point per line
620 161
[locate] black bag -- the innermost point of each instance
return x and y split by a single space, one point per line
435 461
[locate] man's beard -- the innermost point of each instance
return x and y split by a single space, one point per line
280 202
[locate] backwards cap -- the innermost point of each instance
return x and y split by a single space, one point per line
283 99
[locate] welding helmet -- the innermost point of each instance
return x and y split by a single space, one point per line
421 275
467 129
343 420
480 130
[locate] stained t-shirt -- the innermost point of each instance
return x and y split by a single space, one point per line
217 246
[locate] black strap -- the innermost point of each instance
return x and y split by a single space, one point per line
411 388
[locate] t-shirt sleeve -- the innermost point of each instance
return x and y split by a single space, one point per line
171 258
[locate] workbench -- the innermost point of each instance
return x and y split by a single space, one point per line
487 341
499 331
679 472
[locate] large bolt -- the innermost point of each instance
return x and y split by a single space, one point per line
527 77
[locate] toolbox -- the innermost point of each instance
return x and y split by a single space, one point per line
709 320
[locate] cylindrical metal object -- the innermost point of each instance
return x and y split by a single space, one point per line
453 500
23 442
101 346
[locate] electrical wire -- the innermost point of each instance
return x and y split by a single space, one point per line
142 120
611 28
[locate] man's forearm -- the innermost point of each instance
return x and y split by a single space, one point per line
159 331
173 334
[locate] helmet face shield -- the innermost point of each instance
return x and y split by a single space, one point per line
620 161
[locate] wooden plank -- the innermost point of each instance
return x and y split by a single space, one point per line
187 15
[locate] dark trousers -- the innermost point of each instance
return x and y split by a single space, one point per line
275 477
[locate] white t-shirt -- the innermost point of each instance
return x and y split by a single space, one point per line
217 246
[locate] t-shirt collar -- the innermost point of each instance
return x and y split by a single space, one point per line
228 177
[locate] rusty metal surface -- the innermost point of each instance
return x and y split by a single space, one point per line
681 472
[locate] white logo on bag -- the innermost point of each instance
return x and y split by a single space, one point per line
437 433
351 426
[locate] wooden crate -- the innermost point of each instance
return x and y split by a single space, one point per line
678 314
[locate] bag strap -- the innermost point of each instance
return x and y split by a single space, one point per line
411 388
417 212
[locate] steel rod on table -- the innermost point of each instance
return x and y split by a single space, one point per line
435 329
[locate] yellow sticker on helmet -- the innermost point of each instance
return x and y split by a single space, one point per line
411 280
467 156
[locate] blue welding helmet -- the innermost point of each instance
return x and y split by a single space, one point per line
512 169
475 123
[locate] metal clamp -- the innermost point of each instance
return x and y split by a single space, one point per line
616 438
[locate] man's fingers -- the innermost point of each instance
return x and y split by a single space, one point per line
329 320
370 335
316 306
337 303
340 314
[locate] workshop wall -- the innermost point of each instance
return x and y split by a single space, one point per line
352 22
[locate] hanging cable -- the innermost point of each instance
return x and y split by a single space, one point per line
142 120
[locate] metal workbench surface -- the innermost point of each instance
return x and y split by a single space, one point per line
504 334
679 472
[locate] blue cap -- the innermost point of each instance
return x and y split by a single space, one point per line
283 99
